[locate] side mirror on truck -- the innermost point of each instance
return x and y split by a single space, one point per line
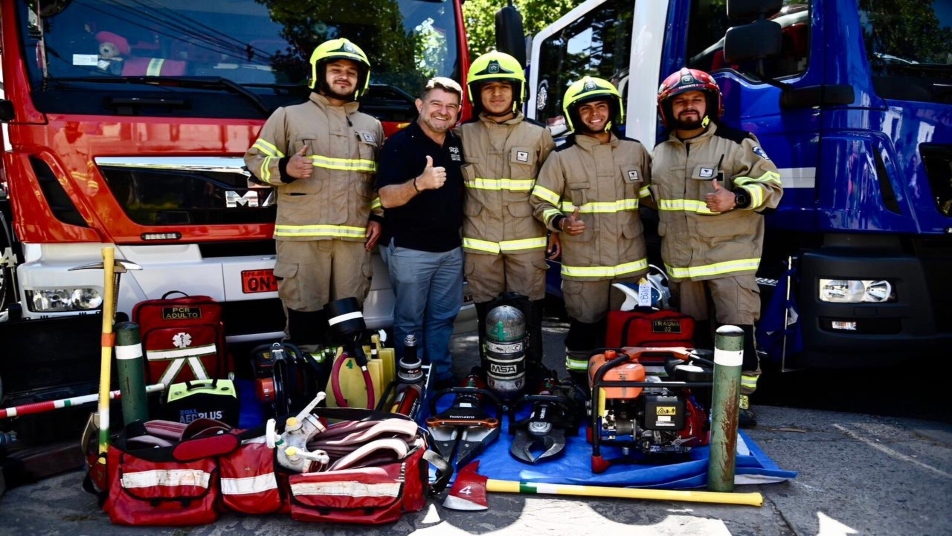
751 35
759 40
510 34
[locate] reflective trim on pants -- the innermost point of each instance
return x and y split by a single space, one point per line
748 384
571 363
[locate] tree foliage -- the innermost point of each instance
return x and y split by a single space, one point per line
480 19
905 30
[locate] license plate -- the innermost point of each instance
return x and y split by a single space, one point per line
254 281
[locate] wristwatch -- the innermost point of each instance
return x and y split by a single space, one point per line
741 198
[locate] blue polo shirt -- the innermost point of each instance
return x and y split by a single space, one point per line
431 221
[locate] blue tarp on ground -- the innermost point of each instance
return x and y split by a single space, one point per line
574 467
753 466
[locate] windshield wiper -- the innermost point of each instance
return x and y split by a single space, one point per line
180 81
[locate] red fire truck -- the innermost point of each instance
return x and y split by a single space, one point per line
126 121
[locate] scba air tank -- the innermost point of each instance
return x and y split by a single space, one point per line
506 351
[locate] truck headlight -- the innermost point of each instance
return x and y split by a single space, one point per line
856 291
63 300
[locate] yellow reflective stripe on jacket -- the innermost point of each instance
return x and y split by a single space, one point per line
513 185
330 231
605 271
756 193
265 172
267 148
601 207
344 164
376 203
550 213
506 246
685 205
644 192
769 176
718 268
545 194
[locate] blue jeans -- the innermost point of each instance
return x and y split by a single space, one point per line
428 288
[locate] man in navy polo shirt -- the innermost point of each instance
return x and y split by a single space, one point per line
421 189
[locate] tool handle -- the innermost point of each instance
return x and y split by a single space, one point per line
511 486
108 342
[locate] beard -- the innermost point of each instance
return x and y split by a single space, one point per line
329 91
691 124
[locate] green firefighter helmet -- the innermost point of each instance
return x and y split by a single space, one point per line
589 89
496 67
339 49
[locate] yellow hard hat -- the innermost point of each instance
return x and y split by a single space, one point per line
496 67
589 89
340 49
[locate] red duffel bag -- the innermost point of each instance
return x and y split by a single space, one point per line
164 473
376 470
249 484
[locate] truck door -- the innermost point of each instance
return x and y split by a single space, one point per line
789 132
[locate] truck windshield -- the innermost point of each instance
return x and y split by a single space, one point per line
909 46
264 45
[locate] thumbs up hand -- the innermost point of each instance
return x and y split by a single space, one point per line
573 225
300 165
721 200
432 177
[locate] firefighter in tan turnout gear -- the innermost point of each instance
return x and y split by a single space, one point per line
320 158
589 190
711 184
505 246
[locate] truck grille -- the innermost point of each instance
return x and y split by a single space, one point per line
187 191
936 256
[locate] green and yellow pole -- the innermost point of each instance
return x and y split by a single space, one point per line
728 359
131 370
108 342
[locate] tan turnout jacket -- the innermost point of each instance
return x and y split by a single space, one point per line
698 244
335 201
606 182
502 162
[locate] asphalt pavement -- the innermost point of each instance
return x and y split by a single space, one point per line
857 474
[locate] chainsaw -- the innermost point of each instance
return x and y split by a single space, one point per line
654 416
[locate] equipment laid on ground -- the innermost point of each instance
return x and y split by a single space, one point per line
287 377
347 327
645 413
99 424
410 388
201 399
462 431
165 473
506 341
183 338
469 492
557 408
647 328
366 468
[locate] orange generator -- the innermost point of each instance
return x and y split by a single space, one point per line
642 400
